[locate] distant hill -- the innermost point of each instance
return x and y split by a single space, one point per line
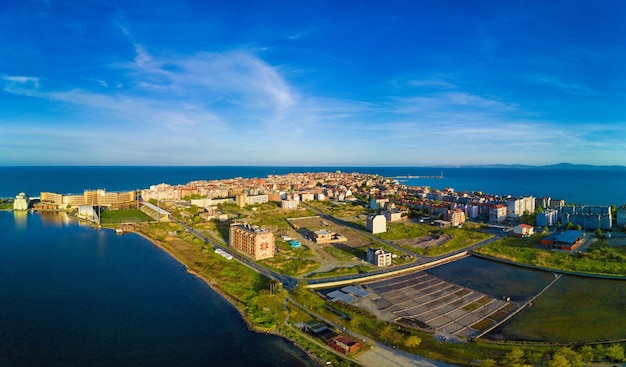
552 166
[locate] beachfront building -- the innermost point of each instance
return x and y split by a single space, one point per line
21 202
89 197
378 257
376 223
252 240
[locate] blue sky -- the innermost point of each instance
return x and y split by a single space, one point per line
342 83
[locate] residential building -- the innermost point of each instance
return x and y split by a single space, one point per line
343 344
621 217
455 217
393 215
523 230
307 196
517 207
321 236
376 223
377 203
378 257
288 204
257 199
252 240
241 200
497 213
588 217
549 217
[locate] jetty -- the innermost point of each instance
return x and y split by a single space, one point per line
420 176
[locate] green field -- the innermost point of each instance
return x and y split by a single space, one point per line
109 217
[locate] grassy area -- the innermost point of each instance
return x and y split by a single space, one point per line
563 313
117 216
342 271
6 204
424 344
459 237
600 259
292 266
345 210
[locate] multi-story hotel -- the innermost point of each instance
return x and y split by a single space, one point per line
252 240
89 197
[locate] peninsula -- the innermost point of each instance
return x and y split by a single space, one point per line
311 256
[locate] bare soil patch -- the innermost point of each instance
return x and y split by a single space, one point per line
424 241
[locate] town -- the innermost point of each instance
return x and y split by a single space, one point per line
336 236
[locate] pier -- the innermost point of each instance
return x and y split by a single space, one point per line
420 176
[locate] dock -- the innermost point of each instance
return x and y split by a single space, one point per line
420 176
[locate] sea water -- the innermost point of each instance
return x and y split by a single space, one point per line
597 186
71 295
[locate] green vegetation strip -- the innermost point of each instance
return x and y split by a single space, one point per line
111 216
600 259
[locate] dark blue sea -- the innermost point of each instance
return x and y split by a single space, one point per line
596 186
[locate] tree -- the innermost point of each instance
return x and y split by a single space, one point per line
579 227
545 229
586 352
386 333
558 360
615 353
598 233
413 341
489 362
514 357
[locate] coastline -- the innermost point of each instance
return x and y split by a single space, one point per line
233 302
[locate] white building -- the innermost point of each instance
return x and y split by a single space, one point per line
378 257
549 217
376 223
21 202
516 207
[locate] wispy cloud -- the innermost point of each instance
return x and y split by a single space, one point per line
557 83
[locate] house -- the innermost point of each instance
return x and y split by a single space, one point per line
523 230
343 344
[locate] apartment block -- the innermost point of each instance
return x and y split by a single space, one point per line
378 257
376 223
252 240
549 217
516 207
